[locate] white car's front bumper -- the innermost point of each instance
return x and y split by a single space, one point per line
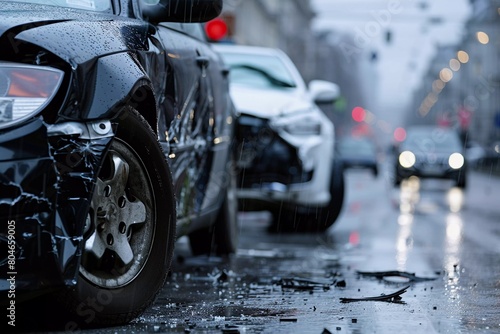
316 153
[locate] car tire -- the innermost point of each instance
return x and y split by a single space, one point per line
397 180
130 230
328 215
222 237
461 181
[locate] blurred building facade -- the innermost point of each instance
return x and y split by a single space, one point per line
284 24
462 85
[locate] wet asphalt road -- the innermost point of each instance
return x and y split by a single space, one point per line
289 283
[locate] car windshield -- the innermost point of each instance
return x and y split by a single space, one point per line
259 71
356 146
93 5
432 139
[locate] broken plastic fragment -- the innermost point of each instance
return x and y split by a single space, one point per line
395 273
303 284
341 284
391 298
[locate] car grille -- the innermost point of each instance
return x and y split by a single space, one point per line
264 156
432 164
432 160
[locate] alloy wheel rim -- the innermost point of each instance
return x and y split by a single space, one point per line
121 228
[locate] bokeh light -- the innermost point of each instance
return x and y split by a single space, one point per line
463 56
482 37
445 75
438 85
358 114
454 64
399 134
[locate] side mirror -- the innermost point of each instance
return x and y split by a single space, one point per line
324 91
184 11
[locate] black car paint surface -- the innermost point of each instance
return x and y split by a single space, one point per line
49 161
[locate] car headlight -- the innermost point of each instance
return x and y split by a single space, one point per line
304 129
407 159
299 122
456 160
25 90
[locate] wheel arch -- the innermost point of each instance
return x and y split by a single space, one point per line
113 89
143 100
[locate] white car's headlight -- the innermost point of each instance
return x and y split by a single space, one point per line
456 160
407 159
304 129
25 90
300 122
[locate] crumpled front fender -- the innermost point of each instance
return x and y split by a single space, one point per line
47 176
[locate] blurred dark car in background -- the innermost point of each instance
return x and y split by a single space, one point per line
285 143
115 138
358 153
431 152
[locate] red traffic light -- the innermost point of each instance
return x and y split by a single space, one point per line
216 29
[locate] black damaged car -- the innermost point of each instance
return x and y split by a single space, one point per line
115 137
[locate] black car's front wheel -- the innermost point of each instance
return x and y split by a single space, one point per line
130 230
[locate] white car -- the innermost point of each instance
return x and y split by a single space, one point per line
286 144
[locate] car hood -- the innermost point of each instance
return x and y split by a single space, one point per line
269 103
74 35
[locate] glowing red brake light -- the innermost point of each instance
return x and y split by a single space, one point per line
216 29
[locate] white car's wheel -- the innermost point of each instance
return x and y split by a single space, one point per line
313 218
331 212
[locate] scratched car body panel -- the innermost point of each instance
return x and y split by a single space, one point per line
115 132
